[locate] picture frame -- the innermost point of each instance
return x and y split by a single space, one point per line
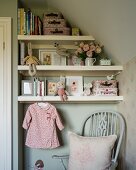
74 85
27 87
50 57
51 87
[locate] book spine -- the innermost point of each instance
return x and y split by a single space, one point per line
22 52
22 21
42 88
45 86
25 23
28 21
36 25
18 22
31 23
34 87
38 88
39 26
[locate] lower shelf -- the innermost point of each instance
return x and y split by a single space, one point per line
71 99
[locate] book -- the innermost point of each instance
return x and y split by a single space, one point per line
18 22
22 51
51 87
22 21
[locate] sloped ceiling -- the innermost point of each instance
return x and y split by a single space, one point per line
111 22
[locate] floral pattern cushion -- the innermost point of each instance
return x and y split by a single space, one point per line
90 153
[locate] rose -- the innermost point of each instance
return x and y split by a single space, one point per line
87 50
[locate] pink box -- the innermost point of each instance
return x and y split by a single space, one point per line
105 91
54 22
52 15
56 31
105 84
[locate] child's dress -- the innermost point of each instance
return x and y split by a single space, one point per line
41 124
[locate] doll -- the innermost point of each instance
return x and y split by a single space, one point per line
61 91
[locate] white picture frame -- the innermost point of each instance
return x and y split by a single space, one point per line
74 85
27 87
50 57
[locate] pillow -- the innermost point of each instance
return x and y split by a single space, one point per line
90 153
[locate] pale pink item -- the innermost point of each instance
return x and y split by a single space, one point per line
90 153
41 123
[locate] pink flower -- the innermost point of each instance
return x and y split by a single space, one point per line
98 49
81 45
88 50
79 50
92 47
86 47
89 53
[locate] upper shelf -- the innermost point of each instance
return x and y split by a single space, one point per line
55 37
73 70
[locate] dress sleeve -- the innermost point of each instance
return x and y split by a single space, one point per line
27 119
58 120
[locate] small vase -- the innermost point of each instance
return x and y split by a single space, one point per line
90 61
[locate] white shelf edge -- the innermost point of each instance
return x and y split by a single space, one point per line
56 37
74 68
71 98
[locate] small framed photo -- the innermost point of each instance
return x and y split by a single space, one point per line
74 85
51 87
27 87
50 57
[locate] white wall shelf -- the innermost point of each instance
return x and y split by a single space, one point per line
96 99
68 41
72 70
55 37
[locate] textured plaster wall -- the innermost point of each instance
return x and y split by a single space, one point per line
128 108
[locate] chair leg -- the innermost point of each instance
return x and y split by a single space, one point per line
62 161
61 158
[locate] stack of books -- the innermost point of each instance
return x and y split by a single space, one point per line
28 23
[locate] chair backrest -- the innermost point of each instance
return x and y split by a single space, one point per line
104 123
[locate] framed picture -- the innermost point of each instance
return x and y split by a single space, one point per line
50 57
51 87
74 85
27 87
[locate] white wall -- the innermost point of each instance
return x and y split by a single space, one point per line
111 22
128 108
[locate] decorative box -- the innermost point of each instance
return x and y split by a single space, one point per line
105 91
52 15
75 31
56 31
54 22
105 62
105 84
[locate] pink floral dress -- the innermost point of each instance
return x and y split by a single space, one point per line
41 124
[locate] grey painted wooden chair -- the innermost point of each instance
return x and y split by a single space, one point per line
102 123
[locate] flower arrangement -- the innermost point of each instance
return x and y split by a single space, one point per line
85 50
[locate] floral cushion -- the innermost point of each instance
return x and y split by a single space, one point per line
90 153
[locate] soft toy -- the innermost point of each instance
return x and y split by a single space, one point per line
61 91
87 89
32 61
